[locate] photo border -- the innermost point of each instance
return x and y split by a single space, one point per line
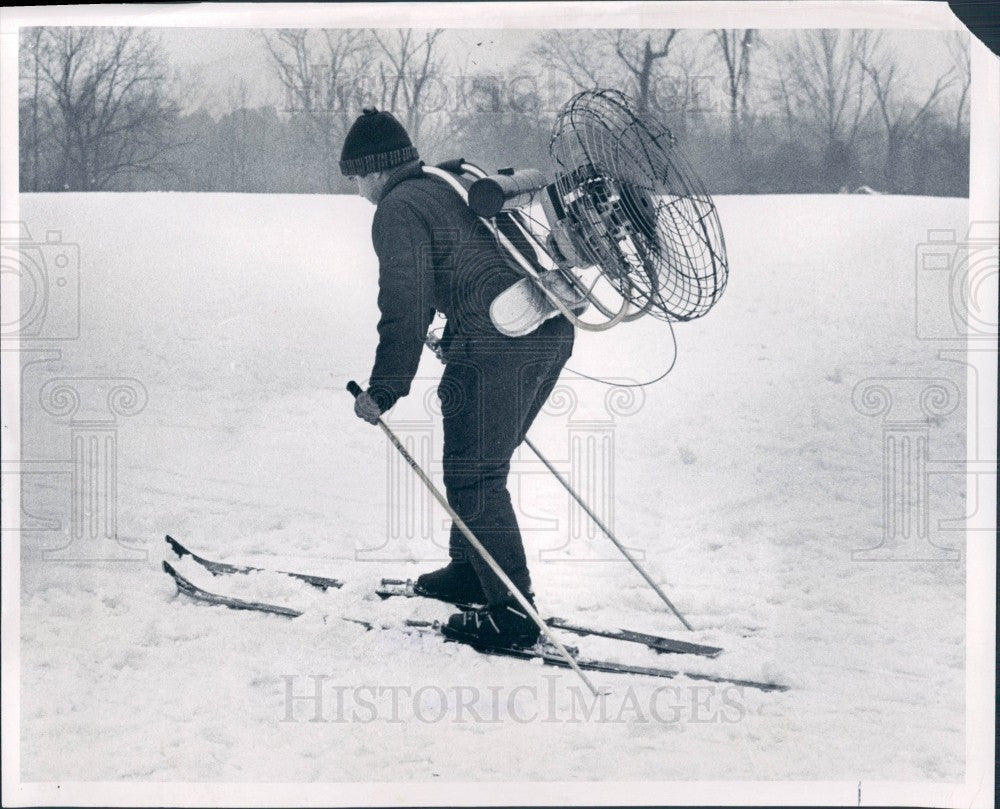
977 790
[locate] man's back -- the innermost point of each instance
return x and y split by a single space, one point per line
434 255
467 269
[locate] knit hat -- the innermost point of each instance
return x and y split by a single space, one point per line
375 142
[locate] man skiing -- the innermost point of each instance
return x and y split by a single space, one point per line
436 255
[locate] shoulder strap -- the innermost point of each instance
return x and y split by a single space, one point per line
451 179
454 166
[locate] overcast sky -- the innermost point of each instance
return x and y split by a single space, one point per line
222 57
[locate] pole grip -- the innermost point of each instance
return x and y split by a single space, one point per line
354 389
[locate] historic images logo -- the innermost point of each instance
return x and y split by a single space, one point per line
44 277
956 295
68 504
956 281
318 698
907 406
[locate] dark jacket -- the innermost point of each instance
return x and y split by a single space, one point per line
434 255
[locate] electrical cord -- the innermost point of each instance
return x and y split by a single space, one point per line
434 337
673 362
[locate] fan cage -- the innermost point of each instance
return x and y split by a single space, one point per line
635 208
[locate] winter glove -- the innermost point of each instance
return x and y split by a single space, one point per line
366 408
436 344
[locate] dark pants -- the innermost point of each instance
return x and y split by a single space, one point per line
491 392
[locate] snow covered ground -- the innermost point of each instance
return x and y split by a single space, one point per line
747 478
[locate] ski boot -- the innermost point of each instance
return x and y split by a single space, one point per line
457 584
501 626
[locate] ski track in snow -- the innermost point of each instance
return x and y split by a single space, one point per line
746 478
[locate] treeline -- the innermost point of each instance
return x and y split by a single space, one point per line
757 112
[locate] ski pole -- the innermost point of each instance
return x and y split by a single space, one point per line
355 390
607 531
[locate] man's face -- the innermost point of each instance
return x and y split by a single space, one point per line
370 186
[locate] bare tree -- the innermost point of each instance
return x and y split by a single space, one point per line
242 138
900 117
632 60
295 67
822 85
324 82
501 119
31 109
108 104
580 57
410 67
735 48
321 79
329 75
958 47
684 87
639 53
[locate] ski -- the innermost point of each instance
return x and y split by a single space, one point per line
550 657
654 642
195 592
222 568
398 587
540 651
